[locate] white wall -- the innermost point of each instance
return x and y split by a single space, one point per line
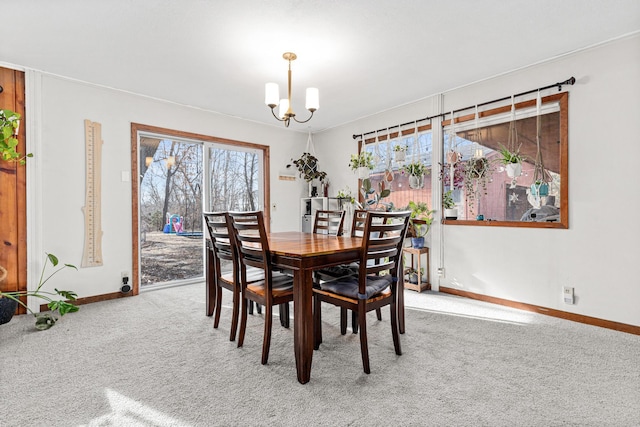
57 109
597 255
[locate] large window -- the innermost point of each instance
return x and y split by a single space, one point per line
485 187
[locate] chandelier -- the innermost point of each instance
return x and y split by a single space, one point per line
285 112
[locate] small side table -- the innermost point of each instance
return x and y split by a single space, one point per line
420 286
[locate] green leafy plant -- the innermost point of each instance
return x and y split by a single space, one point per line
399 148
447 200
364 159
510 156
346 195
416 169
478 172
421 218
307 166
373 199
9 124
47 320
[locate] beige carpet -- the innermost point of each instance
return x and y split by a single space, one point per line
155 360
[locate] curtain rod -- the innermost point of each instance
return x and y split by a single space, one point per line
569 81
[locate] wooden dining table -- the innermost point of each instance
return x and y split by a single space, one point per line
302 253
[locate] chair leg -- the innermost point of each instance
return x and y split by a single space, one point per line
364 347
258 308
251 307
211 286
218 308
284 315
211 298
234 315
266 343
354 322
395 330
317 323
379 314
243 322
343 320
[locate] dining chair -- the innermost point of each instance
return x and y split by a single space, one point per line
328 222
274 289
375 285
222 250
339 272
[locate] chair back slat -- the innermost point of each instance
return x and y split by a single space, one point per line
222 242
357 225
384 234
251 240
328 222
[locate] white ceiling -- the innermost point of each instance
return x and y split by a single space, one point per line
365 56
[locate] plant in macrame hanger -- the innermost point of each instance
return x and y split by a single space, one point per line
416 168
362 163
511 157
377 158
400 150
307 165
478 171
388 170
451 173
541 177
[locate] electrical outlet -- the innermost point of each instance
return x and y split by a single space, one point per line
567 293
441 271
126 286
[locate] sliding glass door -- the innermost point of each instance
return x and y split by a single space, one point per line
178 178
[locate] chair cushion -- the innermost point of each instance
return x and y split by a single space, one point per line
349 286
337 272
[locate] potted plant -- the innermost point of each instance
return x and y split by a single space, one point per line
512 160
400 153
375 201
411 274
449 206
419 222
539 188
416 171
362 164
10 300
307 166
477 175
9 126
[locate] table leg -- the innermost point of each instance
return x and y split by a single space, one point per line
303 323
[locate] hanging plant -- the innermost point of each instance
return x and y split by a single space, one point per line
400 153
307 166
416 172
362 164
415 169
512 160
9 125
541 177
362 160
477 175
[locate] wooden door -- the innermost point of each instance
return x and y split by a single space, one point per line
13 200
